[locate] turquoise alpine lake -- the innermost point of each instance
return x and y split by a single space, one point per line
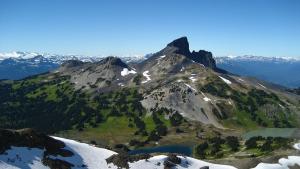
274 132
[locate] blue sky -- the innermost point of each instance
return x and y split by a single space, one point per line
126 27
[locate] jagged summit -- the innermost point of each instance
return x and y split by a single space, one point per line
181 44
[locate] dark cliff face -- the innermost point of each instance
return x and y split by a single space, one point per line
181 46
205 58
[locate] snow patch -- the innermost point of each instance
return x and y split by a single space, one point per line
126 72
146 74
225 80
121 84
193 79
189 86
241 80
201 64
297 146
182 69
160 57
281 106
206 99
261 85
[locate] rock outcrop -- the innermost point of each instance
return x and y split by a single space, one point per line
32 139
181 46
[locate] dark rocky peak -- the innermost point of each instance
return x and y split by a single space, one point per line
204 57
113 61
181 45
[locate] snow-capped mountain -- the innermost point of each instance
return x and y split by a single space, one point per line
252 58
42 57
280 70
23 64
56 58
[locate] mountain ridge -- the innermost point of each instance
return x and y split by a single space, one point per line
169 98
187 86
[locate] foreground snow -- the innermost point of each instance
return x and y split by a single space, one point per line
88 156
186 162
22 158
92 157
283 163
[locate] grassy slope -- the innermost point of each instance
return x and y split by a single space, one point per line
253 109
49 103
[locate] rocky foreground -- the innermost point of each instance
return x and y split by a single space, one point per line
29 149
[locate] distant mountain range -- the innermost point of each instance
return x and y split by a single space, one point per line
279 70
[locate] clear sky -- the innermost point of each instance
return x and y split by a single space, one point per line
127 27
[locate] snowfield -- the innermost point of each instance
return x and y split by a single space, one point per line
156 162
95 158
22 158
92 157
126 72
225 80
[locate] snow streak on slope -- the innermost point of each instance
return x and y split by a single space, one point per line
189 86
225 80
146 74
